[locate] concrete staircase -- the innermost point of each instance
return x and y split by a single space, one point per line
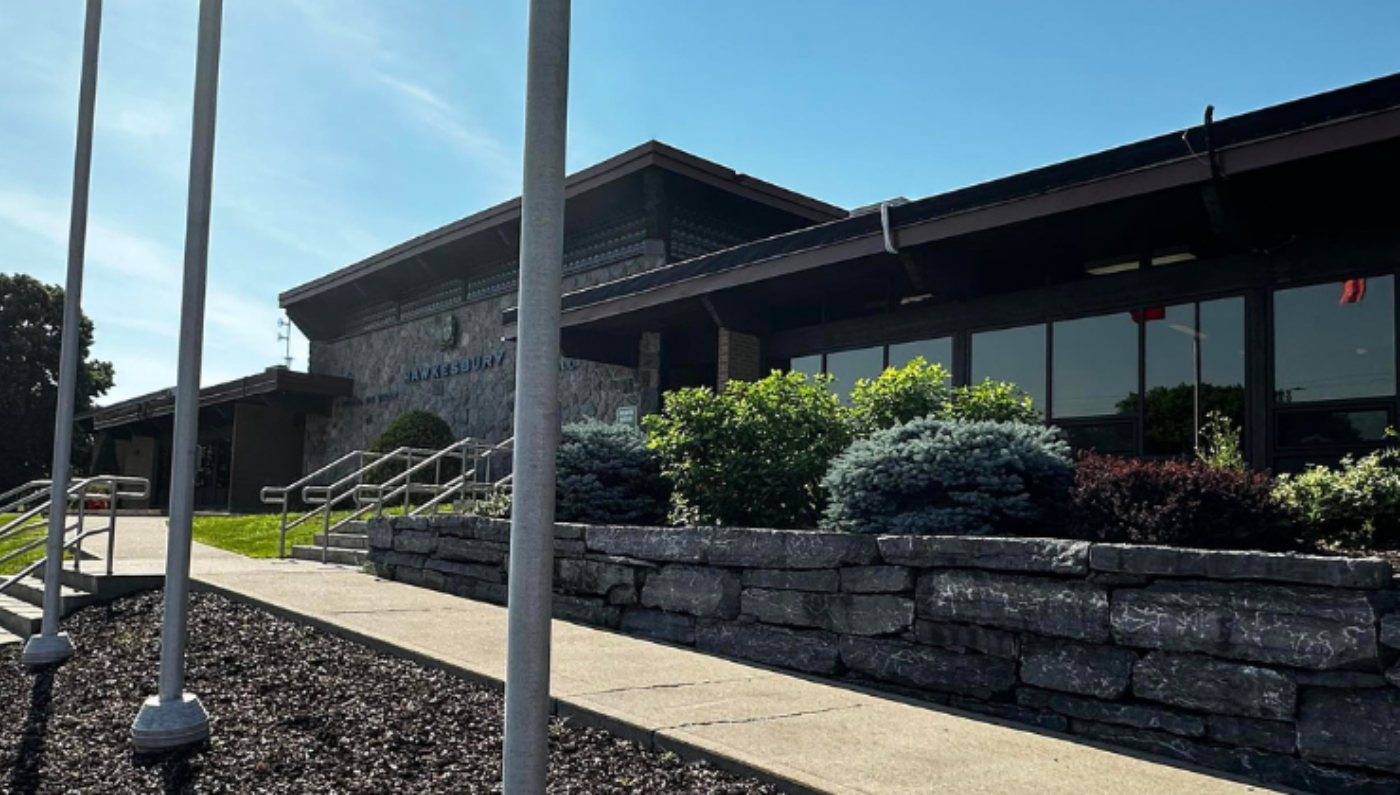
21 606
348 546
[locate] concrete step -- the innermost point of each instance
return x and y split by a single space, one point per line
354 528
19 617
9 639
345 540
31 591
343 557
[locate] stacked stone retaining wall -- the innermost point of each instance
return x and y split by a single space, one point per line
1280 668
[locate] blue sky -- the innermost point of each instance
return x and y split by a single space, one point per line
346 126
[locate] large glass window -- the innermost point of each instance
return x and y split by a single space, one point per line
935 351
1191 347
1335 341
846 367
1096 366
807 365
1016 355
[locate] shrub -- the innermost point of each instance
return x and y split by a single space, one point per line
1180 503
1219 445
950 477
606 474
919 389
753 454
1354 506
416 428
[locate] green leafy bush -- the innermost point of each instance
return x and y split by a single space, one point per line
416 428
1354 506
606 474
753 454
950 477
1177 503
919 389
1219 445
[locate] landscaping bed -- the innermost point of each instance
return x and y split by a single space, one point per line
292 710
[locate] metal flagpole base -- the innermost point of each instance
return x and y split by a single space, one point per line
44 650
173 724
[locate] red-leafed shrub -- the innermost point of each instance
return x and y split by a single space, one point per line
1178 503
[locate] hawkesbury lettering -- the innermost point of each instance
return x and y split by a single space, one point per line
449 369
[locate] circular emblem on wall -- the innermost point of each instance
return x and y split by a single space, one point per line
447 336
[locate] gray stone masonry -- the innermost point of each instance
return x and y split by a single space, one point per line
1279 668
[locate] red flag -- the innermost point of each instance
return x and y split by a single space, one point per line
1353 290
1149 314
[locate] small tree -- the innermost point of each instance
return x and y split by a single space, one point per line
753 454
919 389
606 474
417 428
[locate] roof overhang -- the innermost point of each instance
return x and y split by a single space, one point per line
1249 142
274 380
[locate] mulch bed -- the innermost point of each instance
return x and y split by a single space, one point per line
292 710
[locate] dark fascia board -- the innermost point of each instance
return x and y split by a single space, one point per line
651 153
273 379
1348 117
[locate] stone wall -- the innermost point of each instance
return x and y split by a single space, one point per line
475 394
1280 668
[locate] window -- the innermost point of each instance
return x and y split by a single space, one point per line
846 367
935 351
1335 341
1016 355
1194 352
807 365
1096 366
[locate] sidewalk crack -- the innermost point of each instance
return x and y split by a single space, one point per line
758 719
663 686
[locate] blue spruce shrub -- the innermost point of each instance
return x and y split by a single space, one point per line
605 474
950 477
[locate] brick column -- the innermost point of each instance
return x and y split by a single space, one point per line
738 358
649 373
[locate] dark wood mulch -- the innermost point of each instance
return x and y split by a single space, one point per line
293 710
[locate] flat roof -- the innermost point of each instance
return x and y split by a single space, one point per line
269 381
1347 117
651 153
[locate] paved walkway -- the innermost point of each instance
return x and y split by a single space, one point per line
819 737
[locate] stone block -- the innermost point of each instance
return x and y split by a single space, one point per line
471 550
1231 565
1048 555
924 667
1351 728
811 651
623 595
381 534
844 614
1209 685
485 529
877 579
585 610
659 625
1346 680
1072 667
788 549
569 532
968 637
666 544
475 571
402 560
1266 735
1012 712
418 542
583 576
1287 625
820 580
1042 605
696 590
1138 716
566 548
1390 630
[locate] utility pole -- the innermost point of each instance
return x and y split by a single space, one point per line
51 647
174 718
536 400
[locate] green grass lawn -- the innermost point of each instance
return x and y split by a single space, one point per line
255 535
11 543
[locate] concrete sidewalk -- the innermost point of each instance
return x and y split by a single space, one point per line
808 735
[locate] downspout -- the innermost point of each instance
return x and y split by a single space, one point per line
885 227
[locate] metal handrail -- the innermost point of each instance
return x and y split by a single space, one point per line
459 485
78 487
76 543
31 490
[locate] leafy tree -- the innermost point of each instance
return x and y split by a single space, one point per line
751 455
919 389
417 428
31 326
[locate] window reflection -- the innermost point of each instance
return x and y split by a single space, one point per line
1335 341
807 365
937 351
846 367
1096 366
1016 355
1183 353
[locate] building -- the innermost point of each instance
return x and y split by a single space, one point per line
1245 266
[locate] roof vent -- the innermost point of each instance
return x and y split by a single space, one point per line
875 208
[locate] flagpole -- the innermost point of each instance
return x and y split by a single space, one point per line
51 647
174 718
536 400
